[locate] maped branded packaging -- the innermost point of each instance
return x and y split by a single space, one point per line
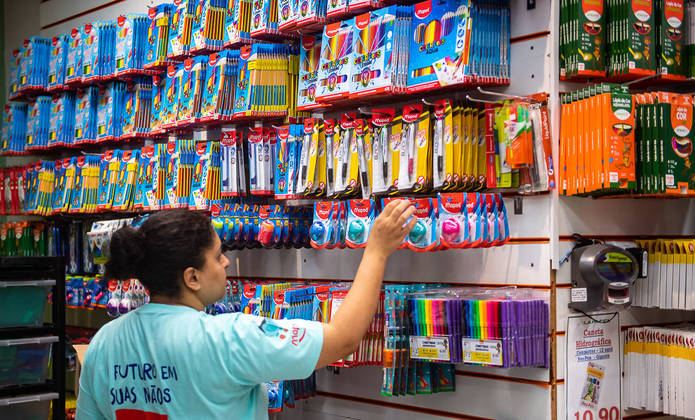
452 220
335 65
360 216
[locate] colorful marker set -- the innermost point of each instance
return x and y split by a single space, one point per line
243 225
625 40
14 128
403 375
449 326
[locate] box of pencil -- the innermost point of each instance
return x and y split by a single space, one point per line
157 112
438 45
57 63
372 49
73 64
14 128
108 175
237 23
218 86
337 9
170 107
125 181
38 119
180 29
309 57
148 180
135 115
335 65
311 14
191 90
157 44
208 26
287 14
86 115
14 64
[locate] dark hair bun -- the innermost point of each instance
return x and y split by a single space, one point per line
127 254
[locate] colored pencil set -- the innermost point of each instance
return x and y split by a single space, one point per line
57 63
157 44
110 101
98 41
61 126
640 143
23 239
403 375
242 224
237 24
208 25
137 108
14 128
131 44
626 40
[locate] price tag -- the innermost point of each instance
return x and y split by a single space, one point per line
429 348
488 352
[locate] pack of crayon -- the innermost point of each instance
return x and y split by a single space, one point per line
109 110
61 127
33 67
131 40
57 64
170 106
191 96
335 65
73 63
38 120
237 23
137 107
14 126
376 51
157 45
158 105
13 78
98 40
86 100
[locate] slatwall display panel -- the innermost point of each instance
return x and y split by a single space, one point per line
474 398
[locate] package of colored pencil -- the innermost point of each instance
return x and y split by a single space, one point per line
38 118
218 85
170 104
61 128
158 105
191 96
131 39
287 14
73 63
264 20
137 107
86 115
157 45
14 128
335 65
97 41
237 23
109 111
33 69
180 29
312 14
57 64
208 26
13 79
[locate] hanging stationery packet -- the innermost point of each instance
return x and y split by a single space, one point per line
452 220
384 202
383 165
360 216
215 86
191 90
424 237
86 115
364 156
125 182
372 50
57 64
332 134
200 185
415 171
128 52
236 23
105 113
158 105
442 146
143 181
108 175
309 58
13 79
157 44
678 146
170 107
284 166
491 220
322 226
287 14
439 45
476 227
335 65
503 222
73 62
671 21
310 13
91 42
69 165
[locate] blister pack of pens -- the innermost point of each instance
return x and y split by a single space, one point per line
38 119
14 126
208 26
237 23
262 150
86 100
232 162
157 45
57 65
98 48
131 43
287 161
311 177
137 107
33 66
73 63
61 126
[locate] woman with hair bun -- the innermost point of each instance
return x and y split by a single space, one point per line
171 360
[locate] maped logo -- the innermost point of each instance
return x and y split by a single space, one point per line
171 71
256 135
382 118
108 154
88 28
126 155
279 297
411 113
249 291
213 59
360 208
328 127
298 335
215 210
361 21
323 209
66 162
453 204
121 20
422 10
440 108
309 125
151 12
171 146
74 32
284 132
332 30
245 53
188 64
148 151
422 208
308 42
54 42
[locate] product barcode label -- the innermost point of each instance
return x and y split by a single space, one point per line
429 348
613 177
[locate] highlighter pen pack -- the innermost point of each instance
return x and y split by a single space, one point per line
336 63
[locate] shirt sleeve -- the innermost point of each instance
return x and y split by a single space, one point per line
86 404
265 350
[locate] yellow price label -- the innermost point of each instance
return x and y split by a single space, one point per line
427 353
481 357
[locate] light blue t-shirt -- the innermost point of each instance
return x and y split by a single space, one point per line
174 362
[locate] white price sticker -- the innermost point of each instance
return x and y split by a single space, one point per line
429 348
488 352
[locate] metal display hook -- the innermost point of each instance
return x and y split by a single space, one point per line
482 101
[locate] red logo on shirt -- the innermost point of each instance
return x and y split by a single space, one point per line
296 339
129 414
